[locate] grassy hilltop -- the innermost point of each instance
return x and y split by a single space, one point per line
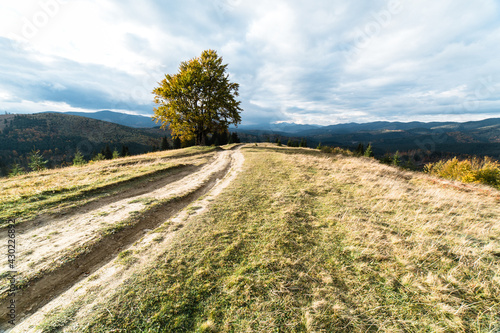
302 241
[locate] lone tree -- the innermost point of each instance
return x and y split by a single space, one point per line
198 100
124 152
177 144
37 162
108 154
78 159
369 151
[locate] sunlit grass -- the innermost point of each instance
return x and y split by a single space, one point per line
307 242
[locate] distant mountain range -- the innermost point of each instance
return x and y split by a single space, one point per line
400 126
58 135
471 138
278 127
124 119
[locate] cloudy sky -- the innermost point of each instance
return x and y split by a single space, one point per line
317 61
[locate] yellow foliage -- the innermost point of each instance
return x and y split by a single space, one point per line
476 170
198 100
336 150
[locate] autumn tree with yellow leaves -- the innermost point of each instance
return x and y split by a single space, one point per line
198 100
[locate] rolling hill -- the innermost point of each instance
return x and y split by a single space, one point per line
119 118
58 136
254 238
284 127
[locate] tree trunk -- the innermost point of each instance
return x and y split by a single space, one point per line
201 139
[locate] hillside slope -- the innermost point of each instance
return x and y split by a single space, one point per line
299 241
58 136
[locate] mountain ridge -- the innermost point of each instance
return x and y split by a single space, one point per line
134 121
480 138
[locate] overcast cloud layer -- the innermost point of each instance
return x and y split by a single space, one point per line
316 61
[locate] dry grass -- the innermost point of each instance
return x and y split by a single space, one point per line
424 257
306 242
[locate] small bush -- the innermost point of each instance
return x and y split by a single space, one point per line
16 170
336 151
360 150
386 159
79 159
99 157
477 170
37 162
369 151
396 159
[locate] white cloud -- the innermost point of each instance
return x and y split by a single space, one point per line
5 96
321 61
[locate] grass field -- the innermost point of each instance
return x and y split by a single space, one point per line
308 242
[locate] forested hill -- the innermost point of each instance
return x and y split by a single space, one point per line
57 136
129 120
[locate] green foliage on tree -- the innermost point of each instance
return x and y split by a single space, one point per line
116 154
36 161
369 151
124 152
164 144
386 159
219 139
106 151
360 150
289 143
99 157
319 146
303 143
79 159
235 138
188 143
177 143
410 165
278 142
198 100
16 170
396 159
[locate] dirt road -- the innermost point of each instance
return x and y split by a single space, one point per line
76 245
